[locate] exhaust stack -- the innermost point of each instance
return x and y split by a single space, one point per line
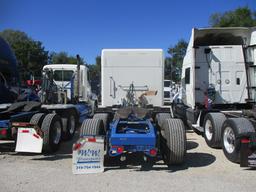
77 82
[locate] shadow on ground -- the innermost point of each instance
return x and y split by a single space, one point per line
133 162
65 151
192 160
191 145
6 147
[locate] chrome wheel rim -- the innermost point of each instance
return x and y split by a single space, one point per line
208 130
229 140
57 132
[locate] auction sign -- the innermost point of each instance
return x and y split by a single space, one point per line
88 155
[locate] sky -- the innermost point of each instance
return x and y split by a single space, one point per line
85 27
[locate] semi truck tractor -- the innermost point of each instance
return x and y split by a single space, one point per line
132 118
218 90
65 101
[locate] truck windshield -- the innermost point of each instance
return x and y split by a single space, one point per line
167 83
63 75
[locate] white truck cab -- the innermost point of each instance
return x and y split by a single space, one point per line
215 67
64 75
219 87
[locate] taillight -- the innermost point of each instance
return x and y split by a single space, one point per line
245 141
116 150
3 132
153 152
120 149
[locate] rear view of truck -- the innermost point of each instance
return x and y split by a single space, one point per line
132 118
218 82
122 67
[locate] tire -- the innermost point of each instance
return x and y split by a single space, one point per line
52 129
104 118
174 143
37 119
92 127
72 122
212 129
233 127
161 117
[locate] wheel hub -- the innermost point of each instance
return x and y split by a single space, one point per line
229 139
208 130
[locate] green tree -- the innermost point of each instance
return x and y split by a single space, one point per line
31 54
167 68
173 64
62 58
240 17
98 62
95 75
95 69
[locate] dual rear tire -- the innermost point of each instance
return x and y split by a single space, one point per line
72 123
51 127
97 126
104 117
212 129
92 127
232 128
220 132
173 141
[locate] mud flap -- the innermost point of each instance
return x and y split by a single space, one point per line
248 151
88 155
28 141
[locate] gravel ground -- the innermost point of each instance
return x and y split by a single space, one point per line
205 169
